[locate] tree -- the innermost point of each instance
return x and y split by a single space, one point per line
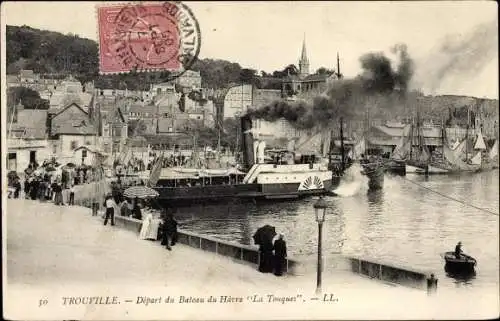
29 98
247 76
324 71
291 70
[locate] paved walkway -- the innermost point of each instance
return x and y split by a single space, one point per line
55 252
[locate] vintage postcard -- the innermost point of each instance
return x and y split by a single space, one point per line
250 160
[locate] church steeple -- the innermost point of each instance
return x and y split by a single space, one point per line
304 62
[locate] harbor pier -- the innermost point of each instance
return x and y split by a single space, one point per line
59 251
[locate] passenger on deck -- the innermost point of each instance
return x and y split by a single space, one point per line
458 250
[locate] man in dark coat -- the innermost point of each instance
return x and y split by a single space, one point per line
458 250
27 187
169 231
17 187
34 188
279 255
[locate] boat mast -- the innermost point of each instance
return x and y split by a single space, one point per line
443 140
411 137
418 131
467 135
342 143
218 141
237 147
330 149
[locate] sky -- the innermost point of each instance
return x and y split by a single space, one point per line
268 35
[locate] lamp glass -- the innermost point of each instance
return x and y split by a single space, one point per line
320 210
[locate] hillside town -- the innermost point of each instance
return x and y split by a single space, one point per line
286 170
82 121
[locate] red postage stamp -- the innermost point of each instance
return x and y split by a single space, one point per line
147 37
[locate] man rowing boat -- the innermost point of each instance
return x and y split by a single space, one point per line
458 250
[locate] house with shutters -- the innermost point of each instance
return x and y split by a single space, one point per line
70 128
27 139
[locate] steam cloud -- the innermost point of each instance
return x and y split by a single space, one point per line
460 57
378 83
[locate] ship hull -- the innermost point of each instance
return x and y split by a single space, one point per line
237 192
396 167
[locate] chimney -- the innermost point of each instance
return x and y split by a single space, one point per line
247 142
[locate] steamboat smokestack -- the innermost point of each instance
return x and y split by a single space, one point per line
248 148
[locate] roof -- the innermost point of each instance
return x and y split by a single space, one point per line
291 78
61 110
11 79
317 77
74 128
141 108
27 73
33 122
34 132
77 127
60 99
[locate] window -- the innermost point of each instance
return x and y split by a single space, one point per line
32 156
73 145
12 162
84 153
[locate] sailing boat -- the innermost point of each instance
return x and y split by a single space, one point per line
493 155
455 161
414 158
487 160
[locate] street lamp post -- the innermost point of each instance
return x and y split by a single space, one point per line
320 211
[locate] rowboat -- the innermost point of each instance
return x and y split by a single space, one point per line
464 264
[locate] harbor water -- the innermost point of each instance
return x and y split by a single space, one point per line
407 223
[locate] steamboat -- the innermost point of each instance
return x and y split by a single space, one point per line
265 175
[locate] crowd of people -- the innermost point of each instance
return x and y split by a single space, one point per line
47 182
171 161
164 229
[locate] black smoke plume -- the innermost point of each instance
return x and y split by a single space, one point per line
379 84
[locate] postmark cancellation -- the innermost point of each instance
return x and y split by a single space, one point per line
147 36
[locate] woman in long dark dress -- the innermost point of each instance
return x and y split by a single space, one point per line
279 256
136 211
266 257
